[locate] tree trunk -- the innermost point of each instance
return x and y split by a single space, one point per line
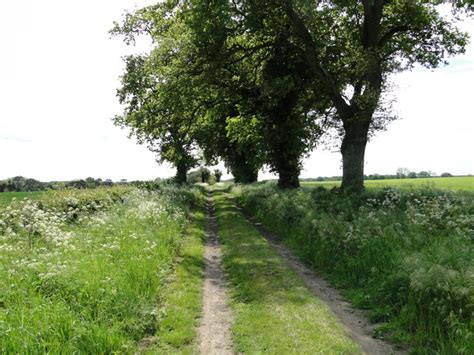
181 173
353 152
288 175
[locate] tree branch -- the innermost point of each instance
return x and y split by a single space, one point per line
391 33
313 61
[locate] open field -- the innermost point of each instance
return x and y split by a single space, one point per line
6 197
463 183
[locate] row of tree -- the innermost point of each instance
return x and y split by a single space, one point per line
20 183
256 83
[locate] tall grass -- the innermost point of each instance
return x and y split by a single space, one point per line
407 256
81 271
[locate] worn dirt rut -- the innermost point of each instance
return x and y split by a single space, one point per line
214 332
353 320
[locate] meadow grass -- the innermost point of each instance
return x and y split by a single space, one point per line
273 311
457 183
406 256
89 273
7 197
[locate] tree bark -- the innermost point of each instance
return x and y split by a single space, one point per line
289 176
353 153
181 173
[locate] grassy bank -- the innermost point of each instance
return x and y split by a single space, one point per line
273 311
85 272
407 256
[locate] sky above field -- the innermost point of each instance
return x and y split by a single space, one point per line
59 71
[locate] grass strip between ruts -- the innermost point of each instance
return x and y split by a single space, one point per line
273 310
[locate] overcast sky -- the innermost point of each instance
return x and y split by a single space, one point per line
59 72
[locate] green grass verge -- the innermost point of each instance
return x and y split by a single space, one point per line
458 183
181 302
273 311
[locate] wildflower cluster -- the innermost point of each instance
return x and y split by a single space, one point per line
81 271
32 222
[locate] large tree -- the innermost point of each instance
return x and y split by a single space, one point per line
351 47
157 89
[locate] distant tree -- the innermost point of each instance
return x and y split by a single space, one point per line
217 175
77 184
194 176
90 182
446 175
424 174
412 175
205 174
108 182
402 173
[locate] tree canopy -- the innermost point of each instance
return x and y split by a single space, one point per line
256 83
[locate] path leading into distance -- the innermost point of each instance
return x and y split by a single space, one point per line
217 317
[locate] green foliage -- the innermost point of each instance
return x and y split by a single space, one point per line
157 89
20 183
407 256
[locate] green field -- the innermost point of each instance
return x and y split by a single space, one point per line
462 183
6 197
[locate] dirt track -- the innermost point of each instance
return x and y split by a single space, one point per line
217 317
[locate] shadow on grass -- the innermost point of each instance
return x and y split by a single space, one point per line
258 273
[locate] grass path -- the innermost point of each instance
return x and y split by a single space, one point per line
274 312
